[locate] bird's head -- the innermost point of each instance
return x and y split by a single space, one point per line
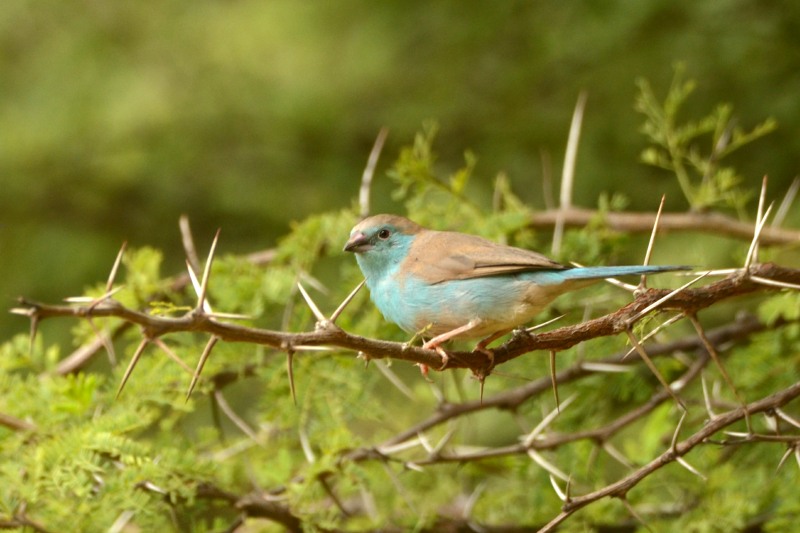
381 241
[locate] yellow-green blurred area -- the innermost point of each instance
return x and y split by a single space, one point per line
118 117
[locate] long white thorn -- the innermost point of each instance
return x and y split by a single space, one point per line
568 174
197 287
786 418
135 359
188 242
681 461
115 268
655 331
314 309
561 494
369 172
773 283
751 253
666 298
207 272
201 363
394 379
347 301
547 420
653 233
762 197
544 463
786 203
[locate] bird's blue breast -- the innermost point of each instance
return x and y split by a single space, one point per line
500 302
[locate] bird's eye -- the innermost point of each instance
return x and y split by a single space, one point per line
384 234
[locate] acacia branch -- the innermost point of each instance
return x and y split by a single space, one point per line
328 334
689 301
255 505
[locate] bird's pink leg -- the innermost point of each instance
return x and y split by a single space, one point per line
481 346
435 343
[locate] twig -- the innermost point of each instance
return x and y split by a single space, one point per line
649 252
633 222
689 301
753 251
135 359
212 341
201 297
713 426
16 424
235 418
712 351
188 242
786 203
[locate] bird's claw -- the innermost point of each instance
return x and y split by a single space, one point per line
423 369
445 358
430 345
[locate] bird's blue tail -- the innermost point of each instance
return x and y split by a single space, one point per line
600 272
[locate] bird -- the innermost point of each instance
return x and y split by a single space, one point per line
448 285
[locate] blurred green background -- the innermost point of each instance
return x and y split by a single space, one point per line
117 117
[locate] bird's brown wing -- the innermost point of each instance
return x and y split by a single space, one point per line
438 256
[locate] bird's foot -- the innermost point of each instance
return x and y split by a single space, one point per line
423 369
433 345
482 347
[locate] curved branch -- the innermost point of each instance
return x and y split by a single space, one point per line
631 222
689 301
328 334
254 505
620 488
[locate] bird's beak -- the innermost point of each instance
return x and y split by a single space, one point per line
358 243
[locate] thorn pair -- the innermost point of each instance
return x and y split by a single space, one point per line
202 308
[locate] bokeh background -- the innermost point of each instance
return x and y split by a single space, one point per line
117 117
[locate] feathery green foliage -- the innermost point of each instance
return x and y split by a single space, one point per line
677 147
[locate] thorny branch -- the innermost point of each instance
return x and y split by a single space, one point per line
620 488
689 301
